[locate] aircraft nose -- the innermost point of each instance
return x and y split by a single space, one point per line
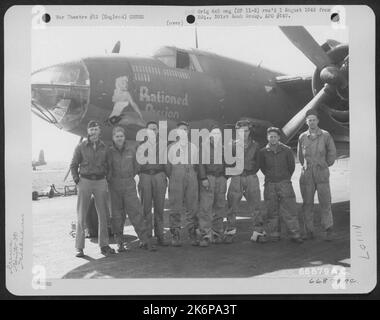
60 91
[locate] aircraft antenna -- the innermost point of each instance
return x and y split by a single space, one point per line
196 38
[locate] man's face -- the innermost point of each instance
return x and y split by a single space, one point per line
118 138
246 131
312 121
153 127
183 127
215 136
93 133
182 130
273 138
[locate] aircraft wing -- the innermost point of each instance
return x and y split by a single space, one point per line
294 83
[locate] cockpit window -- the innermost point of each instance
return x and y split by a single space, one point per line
170 61
65 74
183 60
175 58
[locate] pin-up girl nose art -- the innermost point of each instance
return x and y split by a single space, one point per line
122 99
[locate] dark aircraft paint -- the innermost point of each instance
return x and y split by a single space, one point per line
205 89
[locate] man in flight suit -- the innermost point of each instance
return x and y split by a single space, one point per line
277 164
183 187
152 186
213 187
316 153
122 169
88 169
246 184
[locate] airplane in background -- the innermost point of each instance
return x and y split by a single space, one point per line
199 87
41 160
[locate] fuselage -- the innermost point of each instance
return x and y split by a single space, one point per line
173 85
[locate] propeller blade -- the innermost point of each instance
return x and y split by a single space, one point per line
196 38
116 48
303 40
296 123
68 171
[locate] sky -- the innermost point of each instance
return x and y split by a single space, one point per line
266 45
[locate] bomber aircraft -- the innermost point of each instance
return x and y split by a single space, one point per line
199 87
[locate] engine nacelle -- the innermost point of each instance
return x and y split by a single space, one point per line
337 107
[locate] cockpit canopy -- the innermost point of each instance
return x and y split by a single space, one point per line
73 73
178 58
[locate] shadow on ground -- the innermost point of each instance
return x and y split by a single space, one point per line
240 259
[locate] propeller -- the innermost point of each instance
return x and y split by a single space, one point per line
196 38
303 40
68 171
116 47
333 77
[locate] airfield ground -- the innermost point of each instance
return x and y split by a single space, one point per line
53 247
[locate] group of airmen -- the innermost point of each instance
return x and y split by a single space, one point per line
197 193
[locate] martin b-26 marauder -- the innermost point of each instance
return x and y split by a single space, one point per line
196 86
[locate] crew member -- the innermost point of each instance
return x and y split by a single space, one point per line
277 164
183 186
88 169
316 153
122 169
152 186
247 184
213 187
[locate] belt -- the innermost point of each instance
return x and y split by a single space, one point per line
246 173
152 171
216 175
92 176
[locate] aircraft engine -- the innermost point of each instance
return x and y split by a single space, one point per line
337 107
330 80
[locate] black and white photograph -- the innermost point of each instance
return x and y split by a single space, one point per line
189 152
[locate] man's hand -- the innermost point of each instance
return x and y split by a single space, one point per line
206 184
76 180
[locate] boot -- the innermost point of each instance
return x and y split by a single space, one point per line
121 247
148 245
259 237
176 239
79 253
229 235
329 235
161 241
309 235
297 240
107 251
193 237
205 242
216 237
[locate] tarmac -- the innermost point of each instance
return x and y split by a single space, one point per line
53 246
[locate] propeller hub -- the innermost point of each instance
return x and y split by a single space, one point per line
330 75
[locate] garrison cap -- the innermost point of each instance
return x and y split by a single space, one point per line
151 122
274 129
182 123
313 112
246 123
216 126
92 124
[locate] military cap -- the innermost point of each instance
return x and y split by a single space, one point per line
216 126
243 123
182 123
93 123
313 112
151 122
274 129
